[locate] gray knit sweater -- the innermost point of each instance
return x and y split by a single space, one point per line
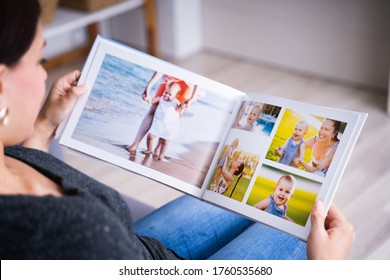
91 221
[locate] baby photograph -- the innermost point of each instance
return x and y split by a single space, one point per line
257 117
307 142
153 119
236 164
284 195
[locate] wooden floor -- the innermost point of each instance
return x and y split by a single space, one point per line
364 192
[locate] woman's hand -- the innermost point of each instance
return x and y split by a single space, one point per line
57 106
145 96
331 236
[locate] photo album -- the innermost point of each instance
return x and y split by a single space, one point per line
264 157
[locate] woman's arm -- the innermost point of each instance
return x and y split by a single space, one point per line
226 174
300 162
230 154
310 142
153 100
156 76
58 104
302 150
323 164
197 93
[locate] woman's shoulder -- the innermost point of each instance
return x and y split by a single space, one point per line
62 228
71 180
23 153
38 159
49 165
332 149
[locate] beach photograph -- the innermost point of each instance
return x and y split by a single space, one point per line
117 106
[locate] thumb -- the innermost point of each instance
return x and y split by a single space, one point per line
79 90
72 77
317 232
318 216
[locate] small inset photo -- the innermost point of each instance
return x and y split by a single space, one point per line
236 165
307 142
282 194
257 117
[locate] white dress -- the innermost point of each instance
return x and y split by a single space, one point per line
166 121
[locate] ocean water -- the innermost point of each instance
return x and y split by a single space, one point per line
115 109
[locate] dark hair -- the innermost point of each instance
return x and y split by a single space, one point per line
239 169
240 172
336 129
18 23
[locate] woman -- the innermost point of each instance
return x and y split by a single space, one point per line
323 147
188 94
48 210
227 178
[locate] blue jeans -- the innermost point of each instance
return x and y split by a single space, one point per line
198 230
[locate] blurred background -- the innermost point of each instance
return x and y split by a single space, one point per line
333 53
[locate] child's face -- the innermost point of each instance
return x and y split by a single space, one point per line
171 92
299 131
253 115
283 192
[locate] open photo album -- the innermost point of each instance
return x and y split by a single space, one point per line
263 157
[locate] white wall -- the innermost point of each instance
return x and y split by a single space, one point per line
62 43
180 27
341 39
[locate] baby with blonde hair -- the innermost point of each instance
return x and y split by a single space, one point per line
253 116
275 204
